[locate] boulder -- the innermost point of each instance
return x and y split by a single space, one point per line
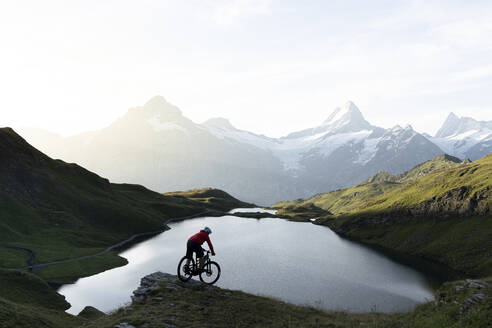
479 284
151 283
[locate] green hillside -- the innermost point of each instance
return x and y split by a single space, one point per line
440 210
460 190
214 199
28 301
61 211
51 211
355 198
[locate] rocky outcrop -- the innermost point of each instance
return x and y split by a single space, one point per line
459 201
478 295
150 284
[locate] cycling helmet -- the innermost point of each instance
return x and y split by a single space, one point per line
207 230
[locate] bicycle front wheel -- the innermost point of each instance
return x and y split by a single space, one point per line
184 273
211 273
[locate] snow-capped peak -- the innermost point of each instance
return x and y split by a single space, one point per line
454 126
346 119
346 113
220 123
464 137
449 127
452 116
343 120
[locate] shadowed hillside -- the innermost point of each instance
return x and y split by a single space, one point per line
54 211
60 211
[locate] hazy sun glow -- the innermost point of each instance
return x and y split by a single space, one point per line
269 66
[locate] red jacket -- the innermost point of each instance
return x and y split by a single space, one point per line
202 237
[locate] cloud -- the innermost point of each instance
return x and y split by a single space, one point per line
229 12
475 32
476 73
223 58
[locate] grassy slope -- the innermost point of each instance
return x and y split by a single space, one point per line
66 273
448 311
93 212
476 177
27 301
355 198
302 212
213 199
440 211
26 288
63 211
198 306
464 245
13 258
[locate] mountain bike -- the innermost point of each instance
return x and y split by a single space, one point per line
209 275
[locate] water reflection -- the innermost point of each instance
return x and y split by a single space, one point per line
297 262
253 210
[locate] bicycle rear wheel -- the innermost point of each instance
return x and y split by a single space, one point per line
211 273
183 273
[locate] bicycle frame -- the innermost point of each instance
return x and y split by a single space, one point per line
209 275
206 262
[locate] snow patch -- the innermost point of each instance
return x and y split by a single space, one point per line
458 144
333 142
463 135
368 151
291 150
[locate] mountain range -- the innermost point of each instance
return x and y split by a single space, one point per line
439 210
464 137
157 146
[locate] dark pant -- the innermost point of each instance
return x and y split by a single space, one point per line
191 247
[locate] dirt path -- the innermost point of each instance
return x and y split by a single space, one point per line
32 262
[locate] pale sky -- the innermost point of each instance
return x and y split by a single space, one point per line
270 66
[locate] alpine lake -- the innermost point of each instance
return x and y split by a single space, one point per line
300 263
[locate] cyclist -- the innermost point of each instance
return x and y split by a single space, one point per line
194 245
